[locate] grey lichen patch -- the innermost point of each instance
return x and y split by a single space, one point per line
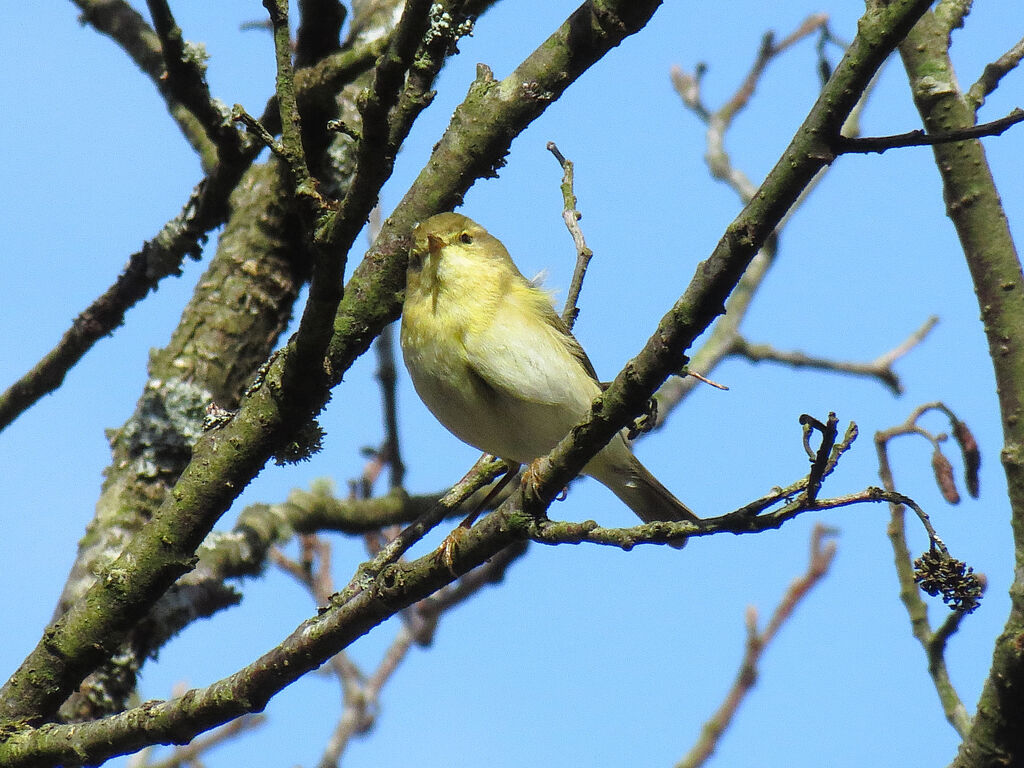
442 25
197 55
159 436
932 86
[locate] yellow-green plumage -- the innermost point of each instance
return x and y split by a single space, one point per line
494 363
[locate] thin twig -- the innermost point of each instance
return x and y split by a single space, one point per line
880 368
993 73
819 458
387 377
257 129
725 333
571 216
688 86
846 145
292 150
181 237
190 753
910 595
757 643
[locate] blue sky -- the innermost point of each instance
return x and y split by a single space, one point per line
583 656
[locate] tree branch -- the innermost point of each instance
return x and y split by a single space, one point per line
184 79
933 643
993 73
571 216
181 237
757 644
879 368
123 24
845 145
226 459
974 207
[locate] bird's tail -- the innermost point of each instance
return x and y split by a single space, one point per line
638 489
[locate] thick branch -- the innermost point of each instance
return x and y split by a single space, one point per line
182 236
880 31
226 459
974 207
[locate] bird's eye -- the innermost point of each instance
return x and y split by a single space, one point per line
466 239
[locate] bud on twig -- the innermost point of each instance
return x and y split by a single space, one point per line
972 456
944 477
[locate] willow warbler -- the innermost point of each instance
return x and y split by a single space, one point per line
494 363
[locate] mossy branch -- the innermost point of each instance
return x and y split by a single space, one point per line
226 459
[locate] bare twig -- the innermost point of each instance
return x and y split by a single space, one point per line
725 335
933 643
822 555
361 693
189 754
879 368
387 377
819 458
845 145
292 150
257 129
993 73
185 78
571 216
687 85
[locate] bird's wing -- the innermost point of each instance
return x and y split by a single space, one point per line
526 352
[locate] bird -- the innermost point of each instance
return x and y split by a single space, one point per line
494 363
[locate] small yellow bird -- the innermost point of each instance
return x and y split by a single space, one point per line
495 364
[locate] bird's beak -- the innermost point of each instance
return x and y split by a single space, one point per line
434 244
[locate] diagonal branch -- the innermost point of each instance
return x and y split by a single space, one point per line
881 29
125 25
181 237
225 460
757 643
185 82
993 74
